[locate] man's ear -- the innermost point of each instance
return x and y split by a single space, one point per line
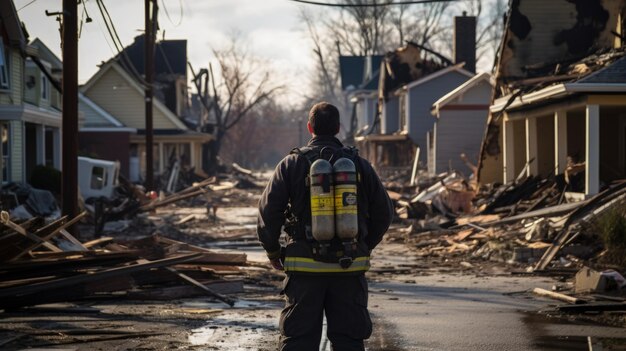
309 127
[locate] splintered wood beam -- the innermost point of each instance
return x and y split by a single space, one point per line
558 296
54 232
187 279
5 219
95 276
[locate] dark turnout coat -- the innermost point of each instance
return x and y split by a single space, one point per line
288 186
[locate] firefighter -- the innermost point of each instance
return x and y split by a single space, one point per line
328 249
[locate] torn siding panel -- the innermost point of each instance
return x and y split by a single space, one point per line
542 32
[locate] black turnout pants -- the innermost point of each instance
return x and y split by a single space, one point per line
344 300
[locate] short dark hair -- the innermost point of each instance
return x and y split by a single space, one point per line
324 119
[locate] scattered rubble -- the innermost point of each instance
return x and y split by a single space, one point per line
526 227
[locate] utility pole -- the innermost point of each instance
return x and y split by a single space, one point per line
69 186
149 38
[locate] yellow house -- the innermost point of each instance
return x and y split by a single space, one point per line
120 95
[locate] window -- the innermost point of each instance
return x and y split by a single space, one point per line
44 87
4 63
98 178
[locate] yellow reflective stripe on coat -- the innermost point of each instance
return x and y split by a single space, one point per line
305 264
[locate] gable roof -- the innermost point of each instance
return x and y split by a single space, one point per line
12 24
46 54
455 68
95 116
170 56
462 89
112 65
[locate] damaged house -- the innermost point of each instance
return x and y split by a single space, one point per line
359 83
30 109
411 79
115 110
560 95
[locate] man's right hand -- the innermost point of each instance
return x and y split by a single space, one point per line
277 263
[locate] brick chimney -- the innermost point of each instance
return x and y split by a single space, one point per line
465 41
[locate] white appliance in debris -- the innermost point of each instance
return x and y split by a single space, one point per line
97 178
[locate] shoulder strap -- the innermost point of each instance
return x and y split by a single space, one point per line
308 152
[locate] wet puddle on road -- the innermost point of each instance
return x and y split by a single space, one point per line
249 325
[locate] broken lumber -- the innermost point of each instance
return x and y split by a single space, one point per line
84 278
5 219
183 291
48 236
558 296
230 302
607 195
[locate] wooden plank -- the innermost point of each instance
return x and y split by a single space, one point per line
103 274
186 219
99 241
184 291
464 234
605 196
558 296
187 279
209 256
5 219
49 235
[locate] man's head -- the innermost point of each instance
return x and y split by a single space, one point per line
323 119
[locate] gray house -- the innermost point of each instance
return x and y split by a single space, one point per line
416 99
460 118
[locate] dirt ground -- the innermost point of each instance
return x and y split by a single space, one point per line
202 324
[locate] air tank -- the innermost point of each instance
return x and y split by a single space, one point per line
322 200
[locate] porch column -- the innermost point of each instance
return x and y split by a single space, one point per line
592 150
531 146
40 142
161 158
56 151
560 141
192 155
509 150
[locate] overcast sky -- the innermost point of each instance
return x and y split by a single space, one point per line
271 30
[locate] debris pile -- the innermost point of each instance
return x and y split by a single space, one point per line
43 263
527 222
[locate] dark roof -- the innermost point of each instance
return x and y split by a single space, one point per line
352 69
360 71
614 73
11 23
170 56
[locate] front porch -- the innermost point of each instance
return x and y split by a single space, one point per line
587 130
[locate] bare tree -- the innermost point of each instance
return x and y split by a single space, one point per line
241 84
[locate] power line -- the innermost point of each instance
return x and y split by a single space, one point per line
372 4
123 56
30 3
167 13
